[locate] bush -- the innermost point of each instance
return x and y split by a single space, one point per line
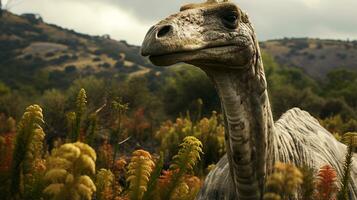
70 69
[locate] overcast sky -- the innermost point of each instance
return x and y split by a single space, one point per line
130 19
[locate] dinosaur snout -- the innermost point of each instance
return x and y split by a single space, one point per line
163 31
157 40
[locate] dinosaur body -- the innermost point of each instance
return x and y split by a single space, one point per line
219 38
298 139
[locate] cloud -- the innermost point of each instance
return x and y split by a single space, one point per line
130 19
93 17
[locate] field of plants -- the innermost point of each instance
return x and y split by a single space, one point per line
104 154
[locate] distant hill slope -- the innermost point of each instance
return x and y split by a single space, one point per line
32 50
316 57
30 47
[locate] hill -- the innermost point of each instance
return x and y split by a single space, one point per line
31 48
314 56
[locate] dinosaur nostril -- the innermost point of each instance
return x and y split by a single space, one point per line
164 30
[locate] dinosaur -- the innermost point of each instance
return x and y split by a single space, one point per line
218 37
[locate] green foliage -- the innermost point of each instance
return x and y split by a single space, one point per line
81 102
105 155
4 89
138 126
139 171
290 87
188 155
54 104
170 92
67 172
71 123
308 184
334 124
28 148
119 110
14 103
104 182
96 90
184 161
350 139
210 131
283 183
91 134
171 134
7 124
155 175
182 86
80 109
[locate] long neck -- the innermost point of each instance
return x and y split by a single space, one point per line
249 128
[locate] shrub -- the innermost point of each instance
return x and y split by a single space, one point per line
28 148
104 183
139 171
350 139
308 185
283 183
183 162
209 130
326 186
68 172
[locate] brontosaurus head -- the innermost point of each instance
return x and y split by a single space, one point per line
214 33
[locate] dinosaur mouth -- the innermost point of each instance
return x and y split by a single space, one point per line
227 54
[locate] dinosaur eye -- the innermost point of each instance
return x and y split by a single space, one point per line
230 20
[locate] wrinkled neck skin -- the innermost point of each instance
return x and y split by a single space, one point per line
249 125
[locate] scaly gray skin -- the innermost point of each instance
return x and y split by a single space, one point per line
218 38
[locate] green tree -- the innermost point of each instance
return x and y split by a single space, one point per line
54 108
1 8
182 87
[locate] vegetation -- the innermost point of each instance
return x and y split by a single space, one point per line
69 170
176 90
283 183
351 140
27 151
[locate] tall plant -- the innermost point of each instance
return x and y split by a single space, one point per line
68 172
326 186
119 109
81 105
28 148
308 185
183 162
139 172
104 182
350 139
283 183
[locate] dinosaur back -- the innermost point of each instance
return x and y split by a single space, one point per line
299 139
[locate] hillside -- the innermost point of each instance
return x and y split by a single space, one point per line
32 50
316 57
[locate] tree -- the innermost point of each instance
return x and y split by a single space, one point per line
0 8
